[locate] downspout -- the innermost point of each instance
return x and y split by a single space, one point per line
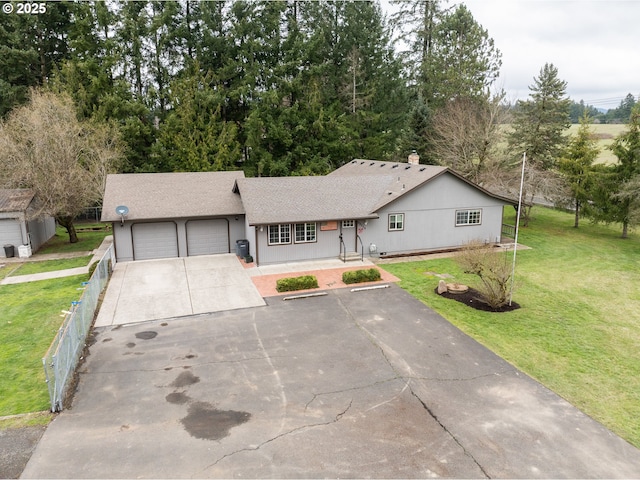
255 234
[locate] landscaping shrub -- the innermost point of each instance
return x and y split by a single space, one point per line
492 268
359 276
296 283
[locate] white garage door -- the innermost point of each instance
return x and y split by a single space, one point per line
154 240
10 234
207 237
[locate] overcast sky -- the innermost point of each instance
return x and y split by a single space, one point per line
594 44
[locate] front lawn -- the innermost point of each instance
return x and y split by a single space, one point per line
88 239
29 318
27 268
578 331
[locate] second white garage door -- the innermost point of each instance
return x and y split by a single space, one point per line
154 240
207 237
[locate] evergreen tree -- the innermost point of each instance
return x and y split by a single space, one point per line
131 31
31 49
415 24
540 121
576 165
615 197
465 61
18 60
194 136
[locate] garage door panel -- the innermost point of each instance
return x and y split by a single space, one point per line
154 240
10 233
207 237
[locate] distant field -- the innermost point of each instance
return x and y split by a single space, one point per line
605 133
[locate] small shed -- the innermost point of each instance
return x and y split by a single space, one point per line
17 225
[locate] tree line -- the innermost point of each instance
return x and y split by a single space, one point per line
274 88
288 87
620 114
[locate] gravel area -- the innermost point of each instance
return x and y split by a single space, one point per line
16 447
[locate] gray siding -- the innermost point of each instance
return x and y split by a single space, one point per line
327 245
40 231
430 218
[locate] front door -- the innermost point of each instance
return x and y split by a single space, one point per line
348 230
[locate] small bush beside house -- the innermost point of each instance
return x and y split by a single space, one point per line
292 284
360 276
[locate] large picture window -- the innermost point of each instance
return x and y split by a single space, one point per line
468 217
279 234
396 221
305 232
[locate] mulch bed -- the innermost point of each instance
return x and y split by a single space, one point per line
473 298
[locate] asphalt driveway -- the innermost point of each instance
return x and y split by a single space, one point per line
175 287
366 384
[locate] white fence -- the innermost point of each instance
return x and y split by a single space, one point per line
62 358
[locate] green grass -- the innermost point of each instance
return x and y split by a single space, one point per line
27 268
87 240
26 420
29 319
578 331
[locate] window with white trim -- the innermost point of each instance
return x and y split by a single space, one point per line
468 217
279 234
396 221
348 223
305 232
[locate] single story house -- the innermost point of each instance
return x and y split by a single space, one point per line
17 227
364 208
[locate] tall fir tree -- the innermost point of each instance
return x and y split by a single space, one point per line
616 199
541 121
576 166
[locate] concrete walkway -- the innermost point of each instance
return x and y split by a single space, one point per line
98 253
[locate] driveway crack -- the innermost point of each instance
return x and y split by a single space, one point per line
445 429
336 419
407 379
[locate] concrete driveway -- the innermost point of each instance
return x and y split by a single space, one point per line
176 287
365 384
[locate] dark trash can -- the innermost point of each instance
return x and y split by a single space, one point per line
242 248
9 251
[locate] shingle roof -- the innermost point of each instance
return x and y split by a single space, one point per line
172 195
15 200
405 176
270 200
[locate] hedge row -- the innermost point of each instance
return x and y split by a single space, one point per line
359 276
292 284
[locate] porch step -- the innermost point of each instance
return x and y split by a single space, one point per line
351 257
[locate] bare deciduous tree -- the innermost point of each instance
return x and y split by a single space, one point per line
65 162
466 135
541 187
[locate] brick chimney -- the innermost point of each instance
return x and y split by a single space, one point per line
414 158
